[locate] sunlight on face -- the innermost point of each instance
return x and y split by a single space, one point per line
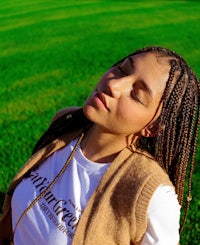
128 95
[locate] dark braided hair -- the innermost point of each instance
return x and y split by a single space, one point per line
174 146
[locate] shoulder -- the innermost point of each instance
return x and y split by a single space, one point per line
146 165
141 166
64 121
65 111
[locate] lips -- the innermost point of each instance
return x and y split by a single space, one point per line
102 99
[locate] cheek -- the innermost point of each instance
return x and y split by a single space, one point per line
133 116
128 114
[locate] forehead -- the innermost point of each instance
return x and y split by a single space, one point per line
153 66
150 59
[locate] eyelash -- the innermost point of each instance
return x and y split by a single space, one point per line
135 97
133 93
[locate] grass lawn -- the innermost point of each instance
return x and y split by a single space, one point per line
52 54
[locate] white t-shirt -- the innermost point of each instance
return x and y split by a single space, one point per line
54 218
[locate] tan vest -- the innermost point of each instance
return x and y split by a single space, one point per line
116 213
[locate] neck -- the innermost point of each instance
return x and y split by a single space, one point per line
103 147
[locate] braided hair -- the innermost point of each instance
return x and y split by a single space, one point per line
175 144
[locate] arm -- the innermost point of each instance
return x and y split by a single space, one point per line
163 218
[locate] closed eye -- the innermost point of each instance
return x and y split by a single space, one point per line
134 95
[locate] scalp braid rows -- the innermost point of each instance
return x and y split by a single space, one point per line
175 145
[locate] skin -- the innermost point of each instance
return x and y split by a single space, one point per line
124 105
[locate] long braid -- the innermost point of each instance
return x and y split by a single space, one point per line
175 146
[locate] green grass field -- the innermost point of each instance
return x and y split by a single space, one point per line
52 53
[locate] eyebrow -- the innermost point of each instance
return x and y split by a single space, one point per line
131 61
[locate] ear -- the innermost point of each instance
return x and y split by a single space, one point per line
151 130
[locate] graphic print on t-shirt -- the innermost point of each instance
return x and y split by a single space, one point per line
59 211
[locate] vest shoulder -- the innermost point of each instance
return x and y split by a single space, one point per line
66 111
146 163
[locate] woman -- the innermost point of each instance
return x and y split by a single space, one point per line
112 172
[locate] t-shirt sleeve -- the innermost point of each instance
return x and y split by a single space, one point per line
163 218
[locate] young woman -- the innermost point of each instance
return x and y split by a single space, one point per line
114 171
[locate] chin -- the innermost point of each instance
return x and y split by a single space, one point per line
88 112
92 114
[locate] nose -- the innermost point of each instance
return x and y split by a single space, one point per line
115 87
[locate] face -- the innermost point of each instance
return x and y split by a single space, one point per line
127 98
